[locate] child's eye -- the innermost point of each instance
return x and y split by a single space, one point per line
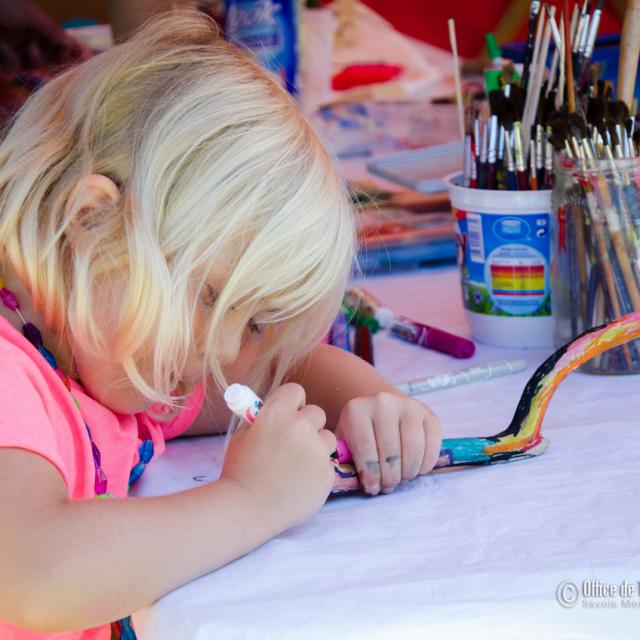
209 296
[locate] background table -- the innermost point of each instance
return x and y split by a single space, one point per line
476 553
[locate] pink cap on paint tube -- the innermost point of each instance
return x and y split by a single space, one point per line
342 452
448 343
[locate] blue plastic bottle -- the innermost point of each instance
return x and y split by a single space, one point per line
269 28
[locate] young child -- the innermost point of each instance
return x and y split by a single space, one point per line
170 223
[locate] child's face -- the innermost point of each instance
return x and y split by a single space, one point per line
105 379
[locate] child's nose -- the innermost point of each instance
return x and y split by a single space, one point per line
229 350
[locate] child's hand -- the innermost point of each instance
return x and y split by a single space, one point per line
392 438
283 459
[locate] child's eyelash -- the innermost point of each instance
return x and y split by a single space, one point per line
254 327
210 296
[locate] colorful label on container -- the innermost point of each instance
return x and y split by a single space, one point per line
504 262
270 29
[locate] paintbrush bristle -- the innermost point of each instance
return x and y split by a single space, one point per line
596 109
518 97
560 130
611 127
578 126
507 114
496 98
469 116
618 111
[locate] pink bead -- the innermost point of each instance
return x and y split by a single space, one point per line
100 482
9 300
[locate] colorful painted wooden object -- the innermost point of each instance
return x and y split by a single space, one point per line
523 437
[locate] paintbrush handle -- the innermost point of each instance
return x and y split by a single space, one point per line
491 174
581 257
522 180
534 10
629 52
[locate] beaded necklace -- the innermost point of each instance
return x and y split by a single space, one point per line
121 629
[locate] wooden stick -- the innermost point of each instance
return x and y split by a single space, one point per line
456 75
629 52
571 96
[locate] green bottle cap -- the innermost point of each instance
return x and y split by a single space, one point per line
493 49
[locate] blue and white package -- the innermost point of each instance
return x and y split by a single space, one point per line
505 262
269 28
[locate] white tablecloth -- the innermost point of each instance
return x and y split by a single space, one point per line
477 553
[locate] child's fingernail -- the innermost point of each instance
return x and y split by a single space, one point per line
387 490
374 488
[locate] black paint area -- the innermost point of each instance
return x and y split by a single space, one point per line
535 384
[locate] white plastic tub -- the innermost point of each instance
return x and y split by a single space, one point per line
504 246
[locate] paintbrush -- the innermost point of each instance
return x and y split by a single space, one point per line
558 57
548 161
522 178
580 43
496 97
507 113
484 146
469 159
562 66
537 77
533 177
534 10
501 172
576 37
539 154
593 32
476 142
567 216
512 184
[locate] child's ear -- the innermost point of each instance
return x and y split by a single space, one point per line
90 193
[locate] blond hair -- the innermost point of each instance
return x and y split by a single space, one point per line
216 166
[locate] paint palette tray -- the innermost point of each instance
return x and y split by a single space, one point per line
423 169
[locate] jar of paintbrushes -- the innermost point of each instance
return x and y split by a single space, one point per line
596 248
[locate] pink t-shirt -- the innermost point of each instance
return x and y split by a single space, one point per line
37 413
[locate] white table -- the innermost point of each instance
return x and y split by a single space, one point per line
472 554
